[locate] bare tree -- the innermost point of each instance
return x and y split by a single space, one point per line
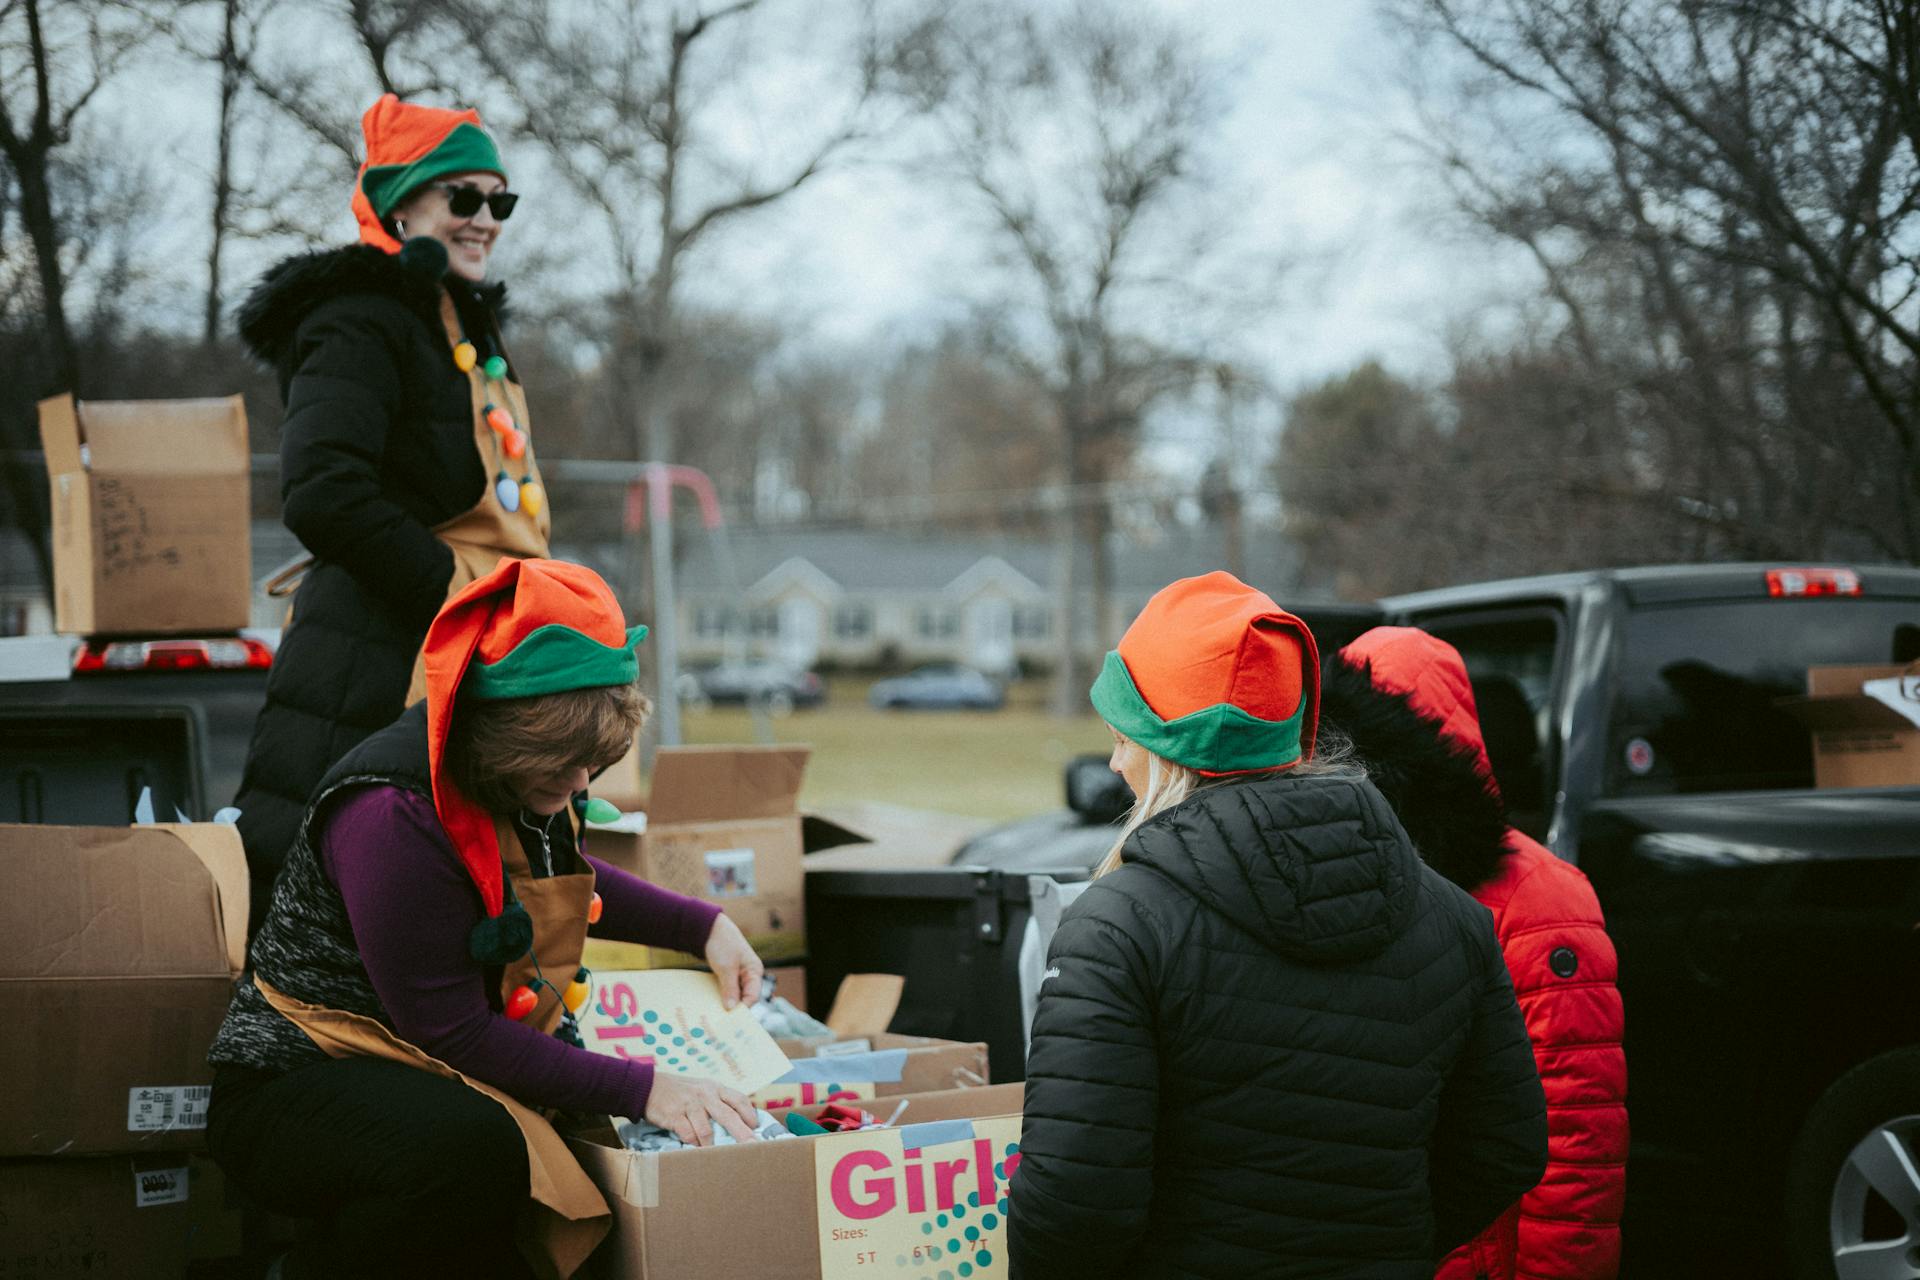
615 93
1724 202
51 65
1076 133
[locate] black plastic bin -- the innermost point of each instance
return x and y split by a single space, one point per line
954 934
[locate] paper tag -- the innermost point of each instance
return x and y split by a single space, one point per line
157 1109
673 1017
840 1047
935 1205
1896 694
159 1186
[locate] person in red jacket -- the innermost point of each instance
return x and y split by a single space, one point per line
1403 697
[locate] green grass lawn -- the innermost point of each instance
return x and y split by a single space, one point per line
982 764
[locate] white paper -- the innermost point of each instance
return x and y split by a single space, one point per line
159 1186
160 1108
1889 693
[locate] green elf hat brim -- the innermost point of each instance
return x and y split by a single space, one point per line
555 659
467 148
1220 739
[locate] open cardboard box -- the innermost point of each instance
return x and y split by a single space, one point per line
150 514
819 1208
861 1059
1858 741
118 951
722 825
114 1217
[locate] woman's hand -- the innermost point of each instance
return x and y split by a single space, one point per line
733 963
688 1107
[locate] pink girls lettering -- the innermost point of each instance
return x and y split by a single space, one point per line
864 1184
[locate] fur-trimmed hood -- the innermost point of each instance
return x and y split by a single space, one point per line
272 312
1403 697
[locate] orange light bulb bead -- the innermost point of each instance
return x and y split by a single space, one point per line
514 442
521 1003
594 909
500 420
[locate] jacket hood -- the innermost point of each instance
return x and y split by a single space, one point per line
1404 699
288 292
1314 867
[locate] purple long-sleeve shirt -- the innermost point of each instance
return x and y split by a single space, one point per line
412 905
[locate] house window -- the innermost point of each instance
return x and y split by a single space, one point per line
709 621
763 621
853 621
1032 622
930 623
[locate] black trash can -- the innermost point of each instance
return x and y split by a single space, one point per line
953 933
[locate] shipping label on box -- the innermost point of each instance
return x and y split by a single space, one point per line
158 1110
916 1201
151 514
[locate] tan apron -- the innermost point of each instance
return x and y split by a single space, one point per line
565 1216
482 537
488 532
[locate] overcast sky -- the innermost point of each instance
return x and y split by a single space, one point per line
865 257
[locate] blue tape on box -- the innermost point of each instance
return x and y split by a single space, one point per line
883 1066
934 1133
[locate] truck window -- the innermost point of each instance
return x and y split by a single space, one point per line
1512 659
1694 700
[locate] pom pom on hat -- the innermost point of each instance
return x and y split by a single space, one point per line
426 255
502 939
1214 676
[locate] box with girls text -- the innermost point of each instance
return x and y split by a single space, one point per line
913 1200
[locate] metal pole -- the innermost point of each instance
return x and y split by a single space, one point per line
665 620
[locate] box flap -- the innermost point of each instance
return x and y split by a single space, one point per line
106 902
170 437
1857 713
60 435
218 847
865 1004
1828 682
714 784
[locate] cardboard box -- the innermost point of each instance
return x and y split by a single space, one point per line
723 826
113 1217
842 1205
884 1066
118 950
151 514
1858 741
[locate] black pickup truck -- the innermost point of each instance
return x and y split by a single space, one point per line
1768 931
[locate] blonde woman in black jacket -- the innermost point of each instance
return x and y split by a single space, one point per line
1270 1042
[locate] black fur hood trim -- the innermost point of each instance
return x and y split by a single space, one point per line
272 312
1449 808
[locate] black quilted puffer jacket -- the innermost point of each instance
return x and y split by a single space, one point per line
1273 1043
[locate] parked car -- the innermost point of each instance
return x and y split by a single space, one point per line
1768 931
939 686
773 685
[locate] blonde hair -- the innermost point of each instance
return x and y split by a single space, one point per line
497 744
1168 784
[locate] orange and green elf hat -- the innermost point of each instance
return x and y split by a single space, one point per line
1215 676
530 627
407 145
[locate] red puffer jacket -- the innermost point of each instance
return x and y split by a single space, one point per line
1404 698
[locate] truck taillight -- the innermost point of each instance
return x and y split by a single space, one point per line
238 653
1812 582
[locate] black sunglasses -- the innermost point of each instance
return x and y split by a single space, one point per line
464 201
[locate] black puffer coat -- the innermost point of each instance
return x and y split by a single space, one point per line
376 448
1272 1043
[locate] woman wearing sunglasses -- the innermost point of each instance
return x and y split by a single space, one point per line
406 459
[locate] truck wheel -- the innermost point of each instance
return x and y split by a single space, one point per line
1853 1186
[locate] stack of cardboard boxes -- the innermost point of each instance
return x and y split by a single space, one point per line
118 949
